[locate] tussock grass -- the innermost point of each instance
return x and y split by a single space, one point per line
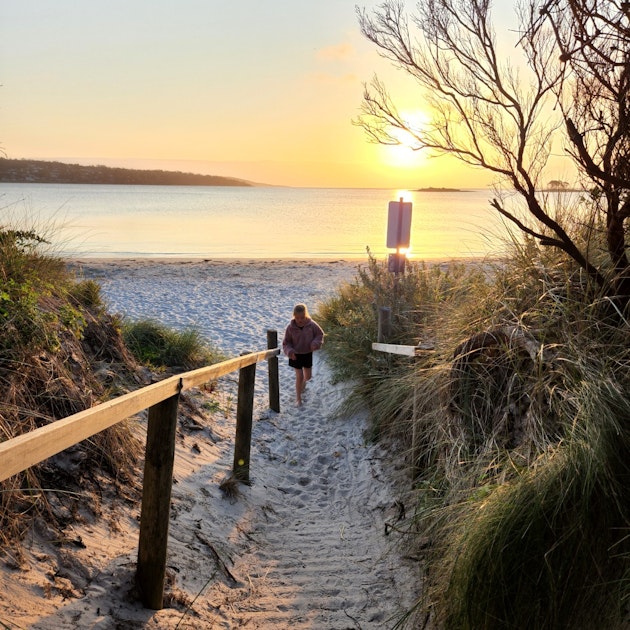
55 337
351 317
547 549
156 345
522 456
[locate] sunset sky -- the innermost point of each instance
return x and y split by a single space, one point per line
264 91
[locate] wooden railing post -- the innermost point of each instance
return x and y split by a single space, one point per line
274 379
156 502
244 413
384 324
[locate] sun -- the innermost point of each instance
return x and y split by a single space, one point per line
401 156
406 154
404 194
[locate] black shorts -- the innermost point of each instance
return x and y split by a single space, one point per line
302 361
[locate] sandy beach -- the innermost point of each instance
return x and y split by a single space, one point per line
304 546
232 302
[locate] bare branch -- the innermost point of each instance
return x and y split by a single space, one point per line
485 113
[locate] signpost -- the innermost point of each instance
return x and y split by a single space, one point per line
398 233
399 224
398 236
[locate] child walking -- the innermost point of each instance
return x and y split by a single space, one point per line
302 337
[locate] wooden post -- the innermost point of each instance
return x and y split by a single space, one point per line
415 468
244 413
384 324
156 501
274 379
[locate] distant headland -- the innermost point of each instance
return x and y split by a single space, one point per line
435 189
43 172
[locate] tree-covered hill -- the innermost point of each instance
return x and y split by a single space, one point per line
45 172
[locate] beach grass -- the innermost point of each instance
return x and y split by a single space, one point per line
158 346
54 338
519 412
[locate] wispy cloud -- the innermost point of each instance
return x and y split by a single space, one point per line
336 52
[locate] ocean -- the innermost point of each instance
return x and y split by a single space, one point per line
104 221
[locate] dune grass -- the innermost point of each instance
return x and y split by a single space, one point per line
351 318
522 408
55 335
158 346
61 351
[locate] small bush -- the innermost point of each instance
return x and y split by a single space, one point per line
87 293
156 345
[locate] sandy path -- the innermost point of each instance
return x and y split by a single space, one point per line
317 555
306 546
303 547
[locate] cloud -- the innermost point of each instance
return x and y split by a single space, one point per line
336 52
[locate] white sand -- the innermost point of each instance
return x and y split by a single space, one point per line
303 547
232 302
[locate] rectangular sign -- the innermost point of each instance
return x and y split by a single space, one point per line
399 224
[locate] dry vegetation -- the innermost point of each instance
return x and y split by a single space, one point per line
524 405
62 352
521 497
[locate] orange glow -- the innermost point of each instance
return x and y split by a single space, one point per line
230 116
403 194
402 156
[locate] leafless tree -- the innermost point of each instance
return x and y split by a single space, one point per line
593 40
571 86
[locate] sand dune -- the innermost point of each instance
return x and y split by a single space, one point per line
304 546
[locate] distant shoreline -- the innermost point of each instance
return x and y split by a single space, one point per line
102 262
438 189
463 190
23 171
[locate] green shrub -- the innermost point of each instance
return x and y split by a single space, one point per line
52 335
156 345
29 281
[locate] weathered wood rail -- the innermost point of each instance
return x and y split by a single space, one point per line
384 331
161 399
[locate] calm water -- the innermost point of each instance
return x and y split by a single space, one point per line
213 222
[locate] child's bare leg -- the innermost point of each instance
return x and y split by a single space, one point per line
299 386
307 373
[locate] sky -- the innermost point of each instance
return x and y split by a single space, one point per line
263 91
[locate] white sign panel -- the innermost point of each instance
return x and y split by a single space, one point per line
399 224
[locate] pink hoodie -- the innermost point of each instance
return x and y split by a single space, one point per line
301 340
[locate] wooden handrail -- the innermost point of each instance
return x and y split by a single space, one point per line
212 372
24 451
28 449
161 399
391 348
